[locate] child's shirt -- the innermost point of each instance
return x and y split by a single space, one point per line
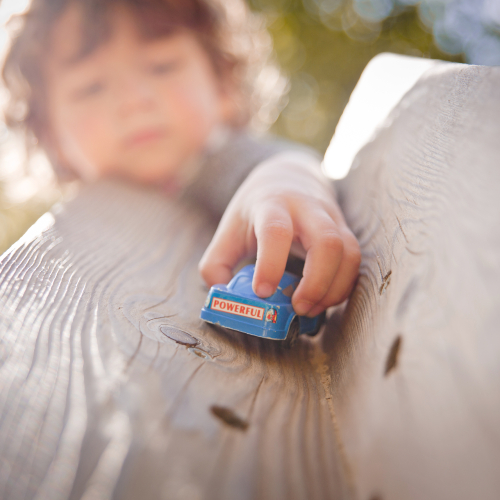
218 174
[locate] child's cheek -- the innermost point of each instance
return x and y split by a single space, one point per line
89 143
195 108
192 99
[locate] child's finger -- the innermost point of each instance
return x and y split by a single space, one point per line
227 248
274 232
323 243
345 278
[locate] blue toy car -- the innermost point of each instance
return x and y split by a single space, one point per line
235 306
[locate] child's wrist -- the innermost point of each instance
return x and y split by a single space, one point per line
301 164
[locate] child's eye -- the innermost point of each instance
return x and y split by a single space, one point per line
88 90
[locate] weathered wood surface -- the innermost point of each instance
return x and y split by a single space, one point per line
110 382
111 387
416 368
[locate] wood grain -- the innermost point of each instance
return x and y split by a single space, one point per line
416 368
111 387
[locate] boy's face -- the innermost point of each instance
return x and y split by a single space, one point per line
134 108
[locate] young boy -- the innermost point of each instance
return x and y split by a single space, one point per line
157 92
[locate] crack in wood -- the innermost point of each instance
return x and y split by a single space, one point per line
252 404
401 227
134 355
393 356
386 280
319 360
182 392
229 417
199 352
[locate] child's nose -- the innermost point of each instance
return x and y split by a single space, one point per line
134 94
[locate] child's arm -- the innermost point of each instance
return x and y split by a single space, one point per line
286 201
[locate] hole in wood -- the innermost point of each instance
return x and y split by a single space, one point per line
200 353
392 357
229 417
178 336
386 280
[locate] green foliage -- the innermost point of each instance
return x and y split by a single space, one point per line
324 54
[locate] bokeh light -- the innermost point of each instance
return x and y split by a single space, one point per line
27 186
322 47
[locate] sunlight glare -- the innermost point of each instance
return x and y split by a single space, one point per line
384 82
8 8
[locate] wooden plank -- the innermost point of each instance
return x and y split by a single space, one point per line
384 82
416 369
110 385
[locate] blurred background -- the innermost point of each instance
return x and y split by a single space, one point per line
322 47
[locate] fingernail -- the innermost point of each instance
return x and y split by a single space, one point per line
302 308
264 290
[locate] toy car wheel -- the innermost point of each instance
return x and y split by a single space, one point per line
321 320
293 333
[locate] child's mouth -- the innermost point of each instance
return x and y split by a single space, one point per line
144 137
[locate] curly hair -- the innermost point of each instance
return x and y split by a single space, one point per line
235 39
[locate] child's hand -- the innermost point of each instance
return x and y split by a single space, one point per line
286 202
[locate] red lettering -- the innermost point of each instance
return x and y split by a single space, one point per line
236 308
